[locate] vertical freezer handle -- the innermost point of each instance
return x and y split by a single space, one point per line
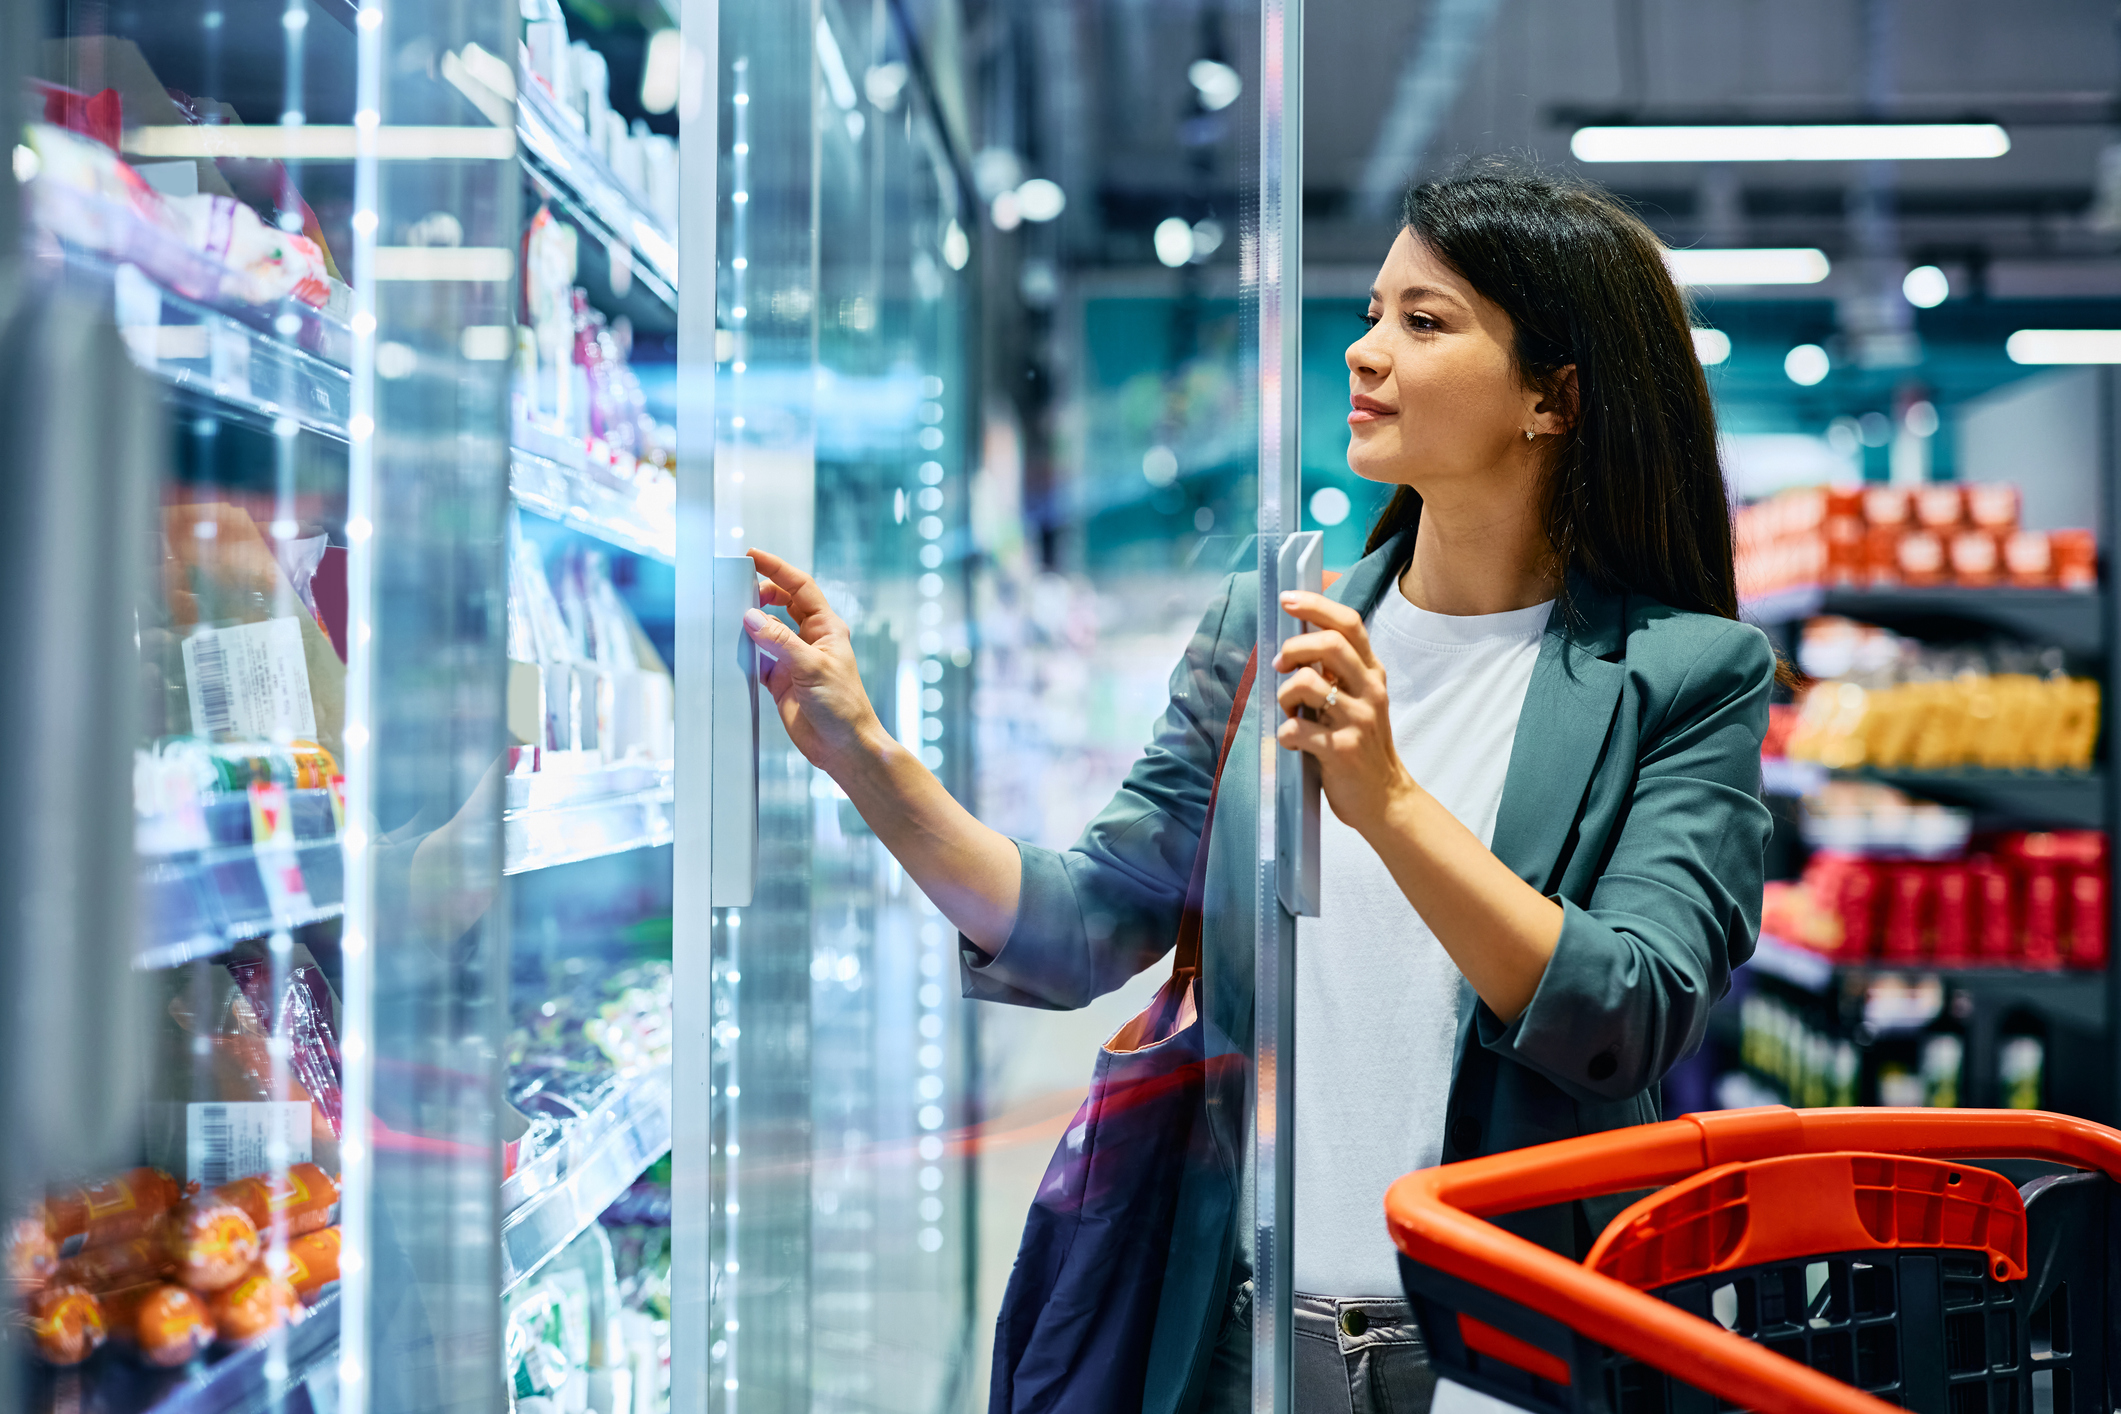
1301 566
735 697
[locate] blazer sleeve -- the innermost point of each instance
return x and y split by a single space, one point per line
1626 995
1091 916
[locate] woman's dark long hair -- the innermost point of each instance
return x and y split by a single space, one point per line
1637 497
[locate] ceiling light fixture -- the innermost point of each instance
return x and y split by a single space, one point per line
2064 346
1790 142
1773 265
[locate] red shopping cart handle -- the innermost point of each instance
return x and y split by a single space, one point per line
1436 1217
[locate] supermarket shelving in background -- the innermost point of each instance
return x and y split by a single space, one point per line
1882 1006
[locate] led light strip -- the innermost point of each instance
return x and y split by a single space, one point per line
357 1166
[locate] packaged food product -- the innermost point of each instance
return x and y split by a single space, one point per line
32 1255
2076 558
1974 558
305 1195
116 1265
254 1304
313 1262
2087 917
1919 558
67 1322
2026 561
170 1326
1939 506
114 1210
1992 505
211 1244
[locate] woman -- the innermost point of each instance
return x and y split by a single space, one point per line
1537 723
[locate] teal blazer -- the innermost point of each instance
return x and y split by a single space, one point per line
1632 800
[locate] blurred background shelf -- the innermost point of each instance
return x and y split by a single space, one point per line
632 517
2054 799
2067 619
565 171
558 817
562 1191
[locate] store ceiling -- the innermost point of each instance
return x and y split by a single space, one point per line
1394 87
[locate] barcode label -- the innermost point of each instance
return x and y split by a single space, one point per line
250 681
237 1139
208 665
217 1151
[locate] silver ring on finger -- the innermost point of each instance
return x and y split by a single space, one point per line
1332 696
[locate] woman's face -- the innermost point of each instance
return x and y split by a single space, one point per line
1435 400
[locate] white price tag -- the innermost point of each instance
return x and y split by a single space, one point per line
250 681
235 1139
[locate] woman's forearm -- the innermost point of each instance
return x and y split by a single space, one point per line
969 871
1498 929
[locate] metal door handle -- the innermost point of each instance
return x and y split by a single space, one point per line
735 698
1301 566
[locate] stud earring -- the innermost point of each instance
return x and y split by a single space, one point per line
1529 435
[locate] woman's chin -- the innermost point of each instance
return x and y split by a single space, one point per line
1379 464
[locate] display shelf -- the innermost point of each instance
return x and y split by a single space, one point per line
554 1198
201 902
1781 776
619 510
237 1383
2075 990
565 170
560 817
2068 619
2056 799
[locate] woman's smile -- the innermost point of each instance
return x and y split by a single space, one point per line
1363 408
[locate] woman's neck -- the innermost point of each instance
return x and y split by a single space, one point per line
1483 559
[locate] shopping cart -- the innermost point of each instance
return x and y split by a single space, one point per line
1846 1260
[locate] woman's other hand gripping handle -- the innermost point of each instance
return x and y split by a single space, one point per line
970 872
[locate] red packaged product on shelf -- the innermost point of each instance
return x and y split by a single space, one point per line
1995 912
1952 931
1919 556
170 1326
305 1196
2087 917
1909 889
115 1265
2026 561
1992 505
211 1244
67 1323
1974 558
2040 941
2076 558
1939 506
32 1255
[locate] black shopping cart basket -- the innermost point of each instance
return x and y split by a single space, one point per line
1849 1260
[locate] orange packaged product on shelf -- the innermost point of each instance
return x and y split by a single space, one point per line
169 1325
1881 555
2026 561
257 1303
1886 505
2075 555
1974 558
1918 555
313 1262
32 1255
117 1264
211 1244
306 1196
112 1211
67 1322
1939 506
1992 505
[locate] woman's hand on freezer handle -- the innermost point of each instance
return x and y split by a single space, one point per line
1358 763
811 670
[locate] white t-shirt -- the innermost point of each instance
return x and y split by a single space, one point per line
1376 995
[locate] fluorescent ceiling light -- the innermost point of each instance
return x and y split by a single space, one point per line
1797 265
1790 142
2064 346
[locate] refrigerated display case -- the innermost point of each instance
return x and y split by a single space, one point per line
379 530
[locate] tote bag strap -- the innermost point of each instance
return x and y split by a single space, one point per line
1187 958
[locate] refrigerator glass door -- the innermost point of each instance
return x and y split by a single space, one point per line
1022 472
